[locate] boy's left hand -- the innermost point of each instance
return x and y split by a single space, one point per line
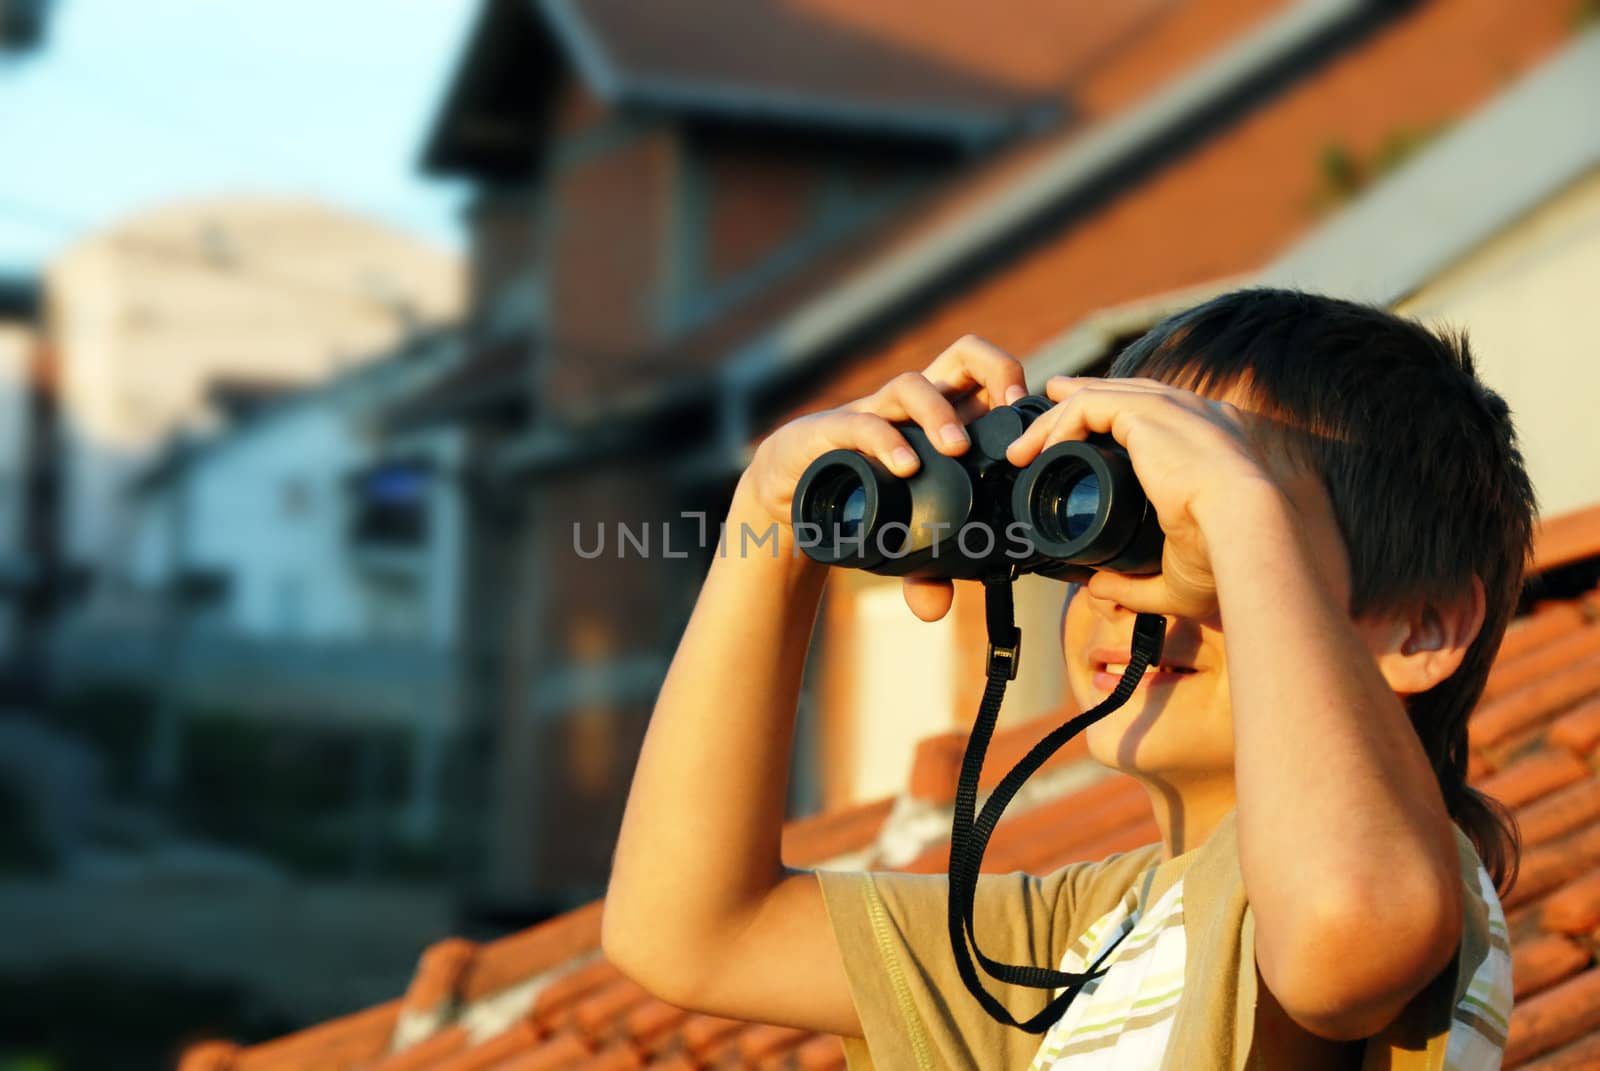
1191 454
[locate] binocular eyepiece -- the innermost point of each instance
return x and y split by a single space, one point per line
1076 507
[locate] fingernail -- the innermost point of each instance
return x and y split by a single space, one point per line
953 435
1014 394
904 458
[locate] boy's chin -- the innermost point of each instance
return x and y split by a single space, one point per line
1123 740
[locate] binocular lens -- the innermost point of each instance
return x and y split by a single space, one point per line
1068 501
839 504
853 510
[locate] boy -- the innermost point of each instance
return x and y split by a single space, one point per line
1334 484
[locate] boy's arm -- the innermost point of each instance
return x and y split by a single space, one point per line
1346 846
700 909
1347 849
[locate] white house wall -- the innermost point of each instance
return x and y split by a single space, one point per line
1527 299
272 515
145 315
270 508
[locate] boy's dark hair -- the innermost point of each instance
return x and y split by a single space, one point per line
1421 463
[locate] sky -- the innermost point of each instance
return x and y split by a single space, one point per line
130 104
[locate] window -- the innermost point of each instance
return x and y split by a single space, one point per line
392 505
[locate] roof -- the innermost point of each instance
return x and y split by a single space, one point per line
1197 158
546 998
427 354
774 61
1133 101
760 61
1520 150
493 376
1239 201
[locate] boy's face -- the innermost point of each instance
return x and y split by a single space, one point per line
1178 724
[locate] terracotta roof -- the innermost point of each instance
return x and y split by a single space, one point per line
546 998
1231 204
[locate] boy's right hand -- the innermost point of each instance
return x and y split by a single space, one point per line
964 382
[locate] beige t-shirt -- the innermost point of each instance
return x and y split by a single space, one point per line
918 1016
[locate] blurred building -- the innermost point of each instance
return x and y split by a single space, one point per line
22 24
19 366
299 566
689 229
186 315
304 523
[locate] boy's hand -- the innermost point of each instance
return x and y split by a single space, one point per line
1190 453
964 382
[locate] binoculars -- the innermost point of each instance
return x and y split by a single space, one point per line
1076 507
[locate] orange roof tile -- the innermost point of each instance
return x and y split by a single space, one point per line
580 1013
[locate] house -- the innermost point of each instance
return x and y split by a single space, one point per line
302 522
147 315
685 233
298 566
1502 198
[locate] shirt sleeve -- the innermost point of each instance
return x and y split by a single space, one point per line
1460 1018
915 1010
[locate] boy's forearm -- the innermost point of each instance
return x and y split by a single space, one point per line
701 835
1343 832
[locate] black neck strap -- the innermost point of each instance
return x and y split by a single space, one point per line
969 835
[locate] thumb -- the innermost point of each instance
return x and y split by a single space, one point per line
929 599
1141 594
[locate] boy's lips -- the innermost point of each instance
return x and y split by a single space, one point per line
1108 666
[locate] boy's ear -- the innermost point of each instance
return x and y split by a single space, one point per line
1417 650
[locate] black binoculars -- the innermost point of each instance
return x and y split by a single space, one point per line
1076 507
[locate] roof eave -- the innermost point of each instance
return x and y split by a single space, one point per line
967 129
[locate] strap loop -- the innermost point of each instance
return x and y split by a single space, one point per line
969 834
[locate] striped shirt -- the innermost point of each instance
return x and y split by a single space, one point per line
1124 1019
1181 989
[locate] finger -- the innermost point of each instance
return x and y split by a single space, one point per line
1114 412
1091 406
1030 444
1060 388
929 599
921 401
869 434
971 364
1141 594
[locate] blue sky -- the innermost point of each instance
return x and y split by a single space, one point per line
135 103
